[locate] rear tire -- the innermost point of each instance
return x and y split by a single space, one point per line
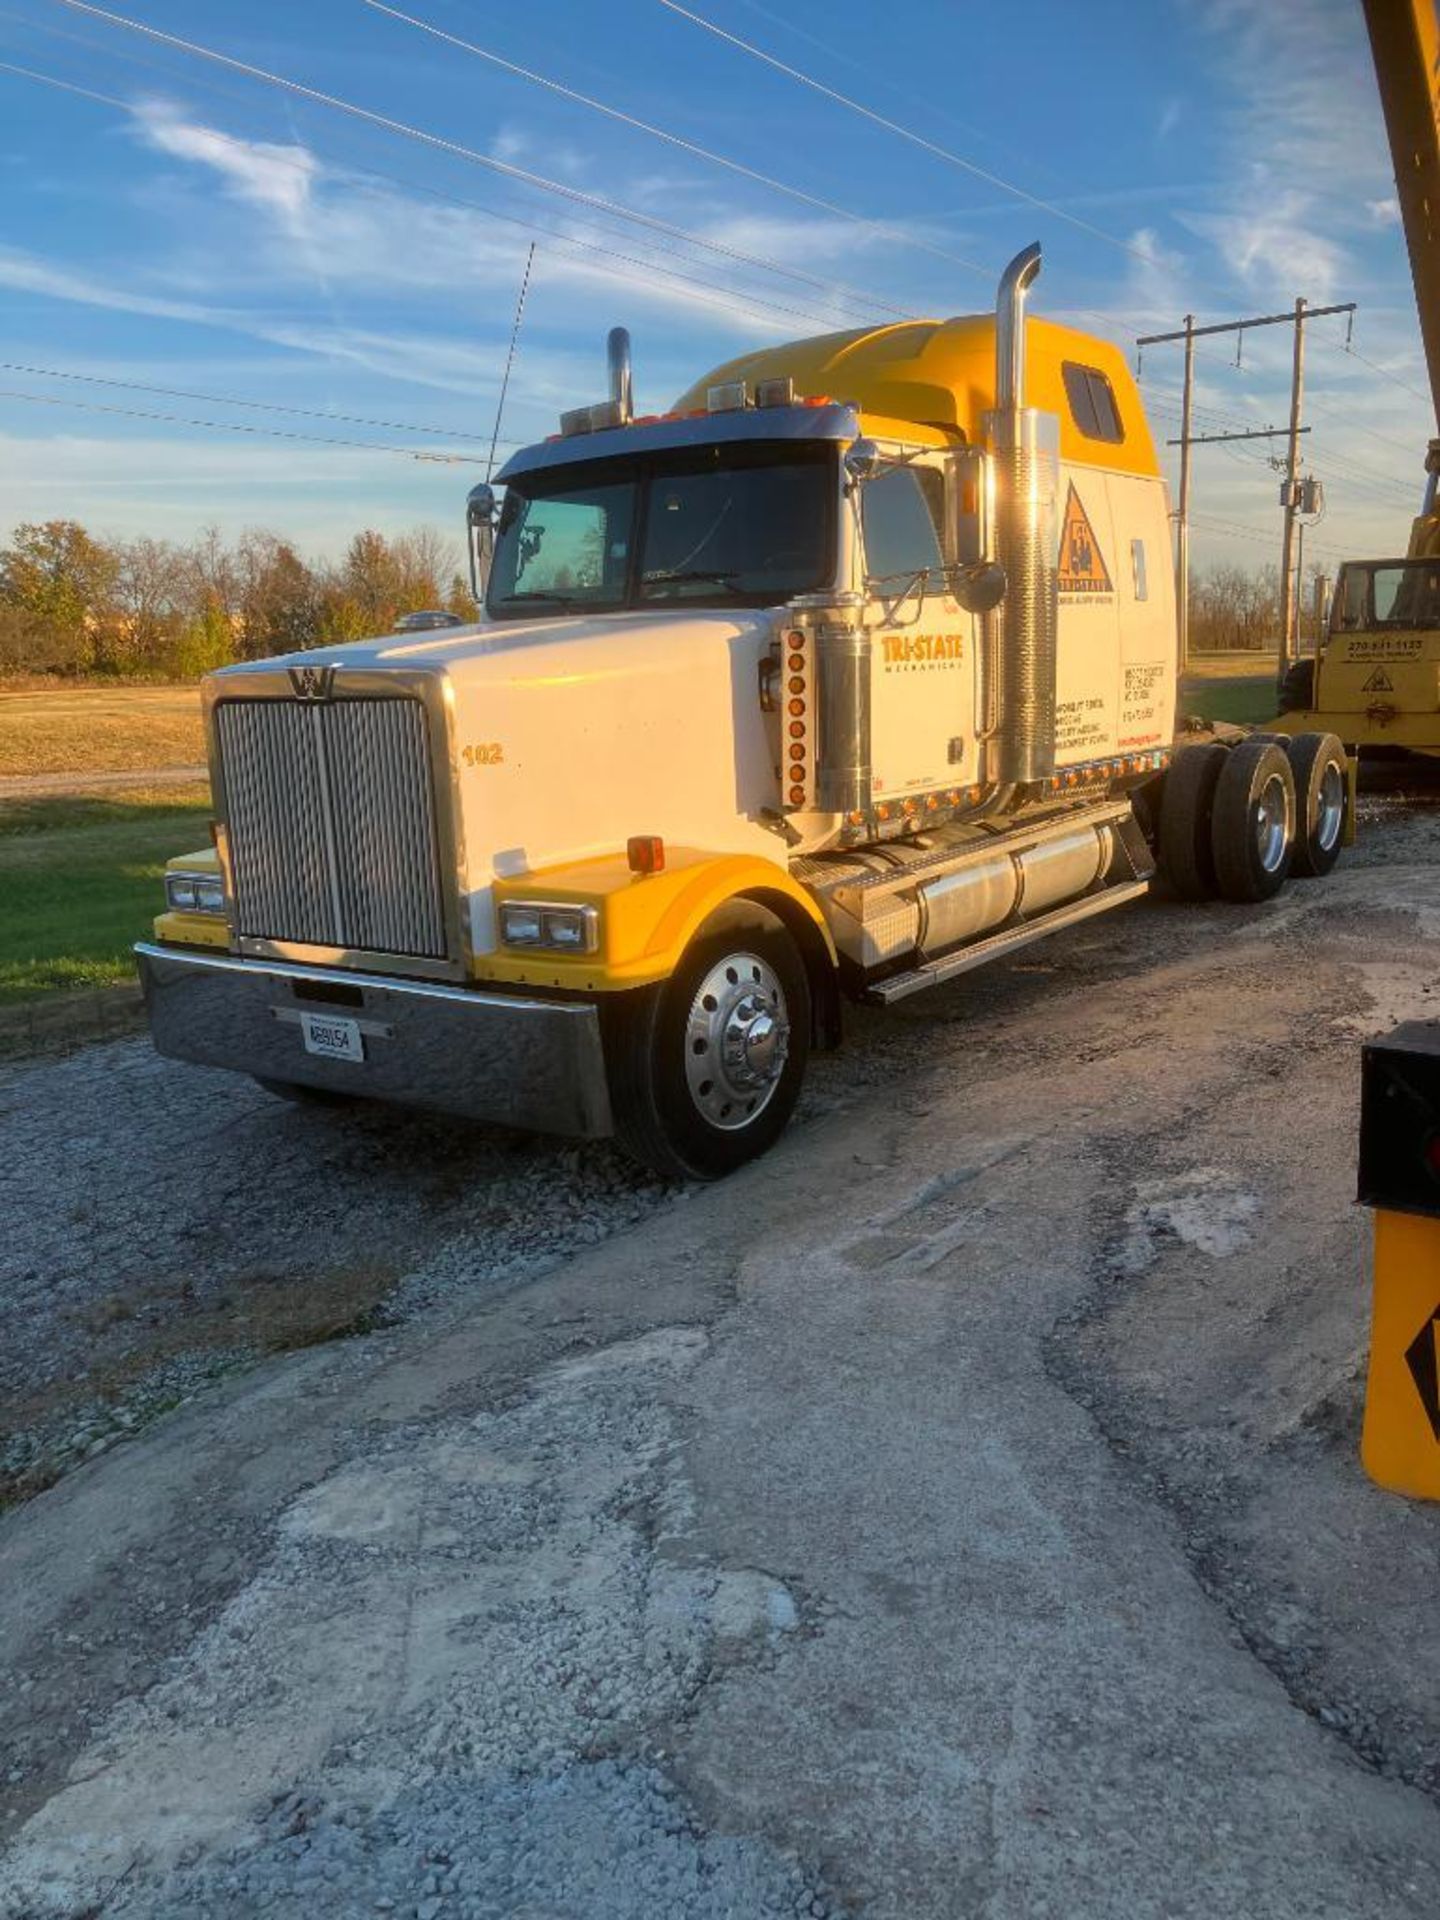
1253 823
705 1070
1186 854
1322 802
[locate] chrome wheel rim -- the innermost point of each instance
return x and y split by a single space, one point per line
1329 807
737 1039
1272 823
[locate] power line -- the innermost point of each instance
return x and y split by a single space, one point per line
610 261
677 140
236 426
904 132
1212 525
413 186
1385 374
229 400
457 150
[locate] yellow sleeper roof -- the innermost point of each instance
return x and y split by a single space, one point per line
926 379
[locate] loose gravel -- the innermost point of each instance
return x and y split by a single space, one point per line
165 1225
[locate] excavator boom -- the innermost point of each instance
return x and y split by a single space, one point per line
1405 42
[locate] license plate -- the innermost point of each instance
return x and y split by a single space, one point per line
332 1039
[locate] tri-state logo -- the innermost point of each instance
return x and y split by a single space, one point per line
1082 568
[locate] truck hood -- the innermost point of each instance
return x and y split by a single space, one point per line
569 735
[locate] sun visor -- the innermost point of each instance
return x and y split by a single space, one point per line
829 421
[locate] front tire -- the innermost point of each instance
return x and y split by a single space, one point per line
1322 801
1253 822
706 1069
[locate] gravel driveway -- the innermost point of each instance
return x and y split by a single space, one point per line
957 1513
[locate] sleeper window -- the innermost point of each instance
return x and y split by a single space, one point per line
1137 561
1092 402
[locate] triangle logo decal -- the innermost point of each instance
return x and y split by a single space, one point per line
1082 565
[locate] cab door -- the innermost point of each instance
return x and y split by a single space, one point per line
922 691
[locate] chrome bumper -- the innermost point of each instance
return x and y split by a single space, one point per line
512 1062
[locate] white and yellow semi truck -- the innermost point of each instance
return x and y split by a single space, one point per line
853 671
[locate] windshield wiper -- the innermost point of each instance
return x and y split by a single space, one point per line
718 575
551 599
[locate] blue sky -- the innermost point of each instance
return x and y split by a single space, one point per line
196 228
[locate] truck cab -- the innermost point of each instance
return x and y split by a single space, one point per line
849 672
1376 677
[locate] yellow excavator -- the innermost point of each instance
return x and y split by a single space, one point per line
1374 678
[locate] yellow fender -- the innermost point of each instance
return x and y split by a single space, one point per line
647 921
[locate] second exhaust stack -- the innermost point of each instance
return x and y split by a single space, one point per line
1025 443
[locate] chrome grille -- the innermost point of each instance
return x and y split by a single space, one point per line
332 824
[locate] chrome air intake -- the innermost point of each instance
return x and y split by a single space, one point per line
1025 444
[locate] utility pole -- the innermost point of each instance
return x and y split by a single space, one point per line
1182 524
1288 583
1190 333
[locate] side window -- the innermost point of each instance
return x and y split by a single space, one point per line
1137 562
563 545
1092 402
902 512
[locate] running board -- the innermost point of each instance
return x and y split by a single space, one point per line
1009 940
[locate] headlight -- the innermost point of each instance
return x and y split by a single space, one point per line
525 923
194 893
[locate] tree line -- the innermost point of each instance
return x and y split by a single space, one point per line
1237 609
73 603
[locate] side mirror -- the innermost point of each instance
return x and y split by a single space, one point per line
980 586
862 460
480 528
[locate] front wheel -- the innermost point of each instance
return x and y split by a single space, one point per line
705 1070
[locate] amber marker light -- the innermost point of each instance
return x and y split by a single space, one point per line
646 853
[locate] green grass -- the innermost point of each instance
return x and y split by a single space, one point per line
1244 700
80 880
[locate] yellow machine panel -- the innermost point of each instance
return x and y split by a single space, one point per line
1400 1447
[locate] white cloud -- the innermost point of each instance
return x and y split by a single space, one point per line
1271 245
1384 212
278 179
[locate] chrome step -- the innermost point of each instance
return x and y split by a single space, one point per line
1008 940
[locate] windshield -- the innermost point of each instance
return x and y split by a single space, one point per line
740 524
1403 594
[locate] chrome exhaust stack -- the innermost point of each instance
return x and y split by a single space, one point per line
622 392
1025 444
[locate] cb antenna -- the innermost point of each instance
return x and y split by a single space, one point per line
510 359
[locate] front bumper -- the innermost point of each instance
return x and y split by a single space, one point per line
500 1058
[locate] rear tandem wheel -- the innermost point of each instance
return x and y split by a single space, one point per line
1253 821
